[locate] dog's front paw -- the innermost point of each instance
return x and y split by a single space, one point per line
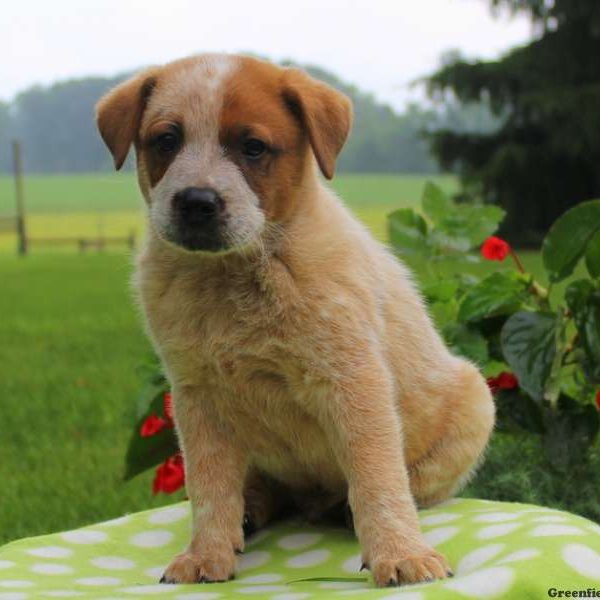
422 566
200 568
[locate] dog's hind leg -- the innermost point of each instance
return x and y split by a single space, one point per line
467 422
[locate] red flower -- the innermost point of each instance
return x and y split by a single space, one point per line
598 400
168 406
504 381
170 476
152 425
495 248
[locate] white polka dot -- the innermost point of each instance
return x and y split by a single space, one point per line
308 559
494 531
159 588
63 593
116 522
519 555
264 578
440 535
50 552
593 528
583 559
118 563
549 530
495 517
169 515
99 581
404 596
291 596
15 583
6 564
253 560
257 537
353 564
487 583
151 539
51 569
262 589
198 596
550 519
12 596
478 557
299 540
437 519
155 572
84 536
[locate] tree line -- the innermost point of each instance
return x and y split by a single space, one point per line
56 127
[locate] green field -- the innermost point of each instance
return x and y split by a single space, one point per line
110 204
72 344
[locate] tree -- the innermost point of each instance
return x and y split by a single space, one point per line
5 135
545 155
56 127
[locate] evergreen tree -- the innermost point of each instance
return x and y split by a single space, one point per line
545 155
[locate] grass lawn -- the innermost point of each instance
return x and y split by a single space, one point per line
72 344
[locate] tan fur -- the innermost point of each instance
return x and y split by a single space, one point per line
306 354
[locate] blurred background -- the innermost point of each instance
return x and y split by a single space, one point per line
494 101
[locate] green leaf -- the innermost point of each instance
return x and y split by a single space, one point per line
583 299
568 238
436 204
441 291
498 294
150 393
474 222
466 342
143 453
592 256
516 408
443 313
408 231
446 243
529 346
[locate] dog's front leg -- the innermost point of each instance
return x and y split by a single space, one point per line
215 469
365 429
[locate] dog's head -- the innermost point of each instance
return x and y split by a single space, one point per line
223 144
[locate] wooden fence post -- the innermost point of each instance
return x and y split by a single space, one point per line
19 199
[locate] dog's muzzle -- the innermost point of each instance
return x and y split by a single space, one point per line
198 219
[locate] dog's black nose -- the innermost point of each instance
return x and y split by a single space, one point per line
200 205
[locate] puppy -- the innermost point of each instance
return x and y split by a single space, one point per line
300 354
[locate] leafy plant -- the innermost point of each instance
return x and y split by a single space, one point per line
546 348
153 442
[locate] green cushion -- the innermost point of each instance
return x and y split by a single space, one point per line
498 550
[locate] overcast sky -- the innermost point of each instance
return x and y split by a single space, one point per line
381 45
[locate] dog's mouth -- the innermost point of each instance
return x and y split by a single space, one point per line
198 240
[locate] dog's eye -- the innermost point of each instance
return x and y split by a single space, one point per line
254 148
166 143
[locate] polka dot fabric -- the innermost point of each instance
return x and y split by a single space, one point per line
498 550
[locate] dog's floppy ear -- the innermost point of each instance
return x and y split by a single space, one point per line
119 113
325 113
